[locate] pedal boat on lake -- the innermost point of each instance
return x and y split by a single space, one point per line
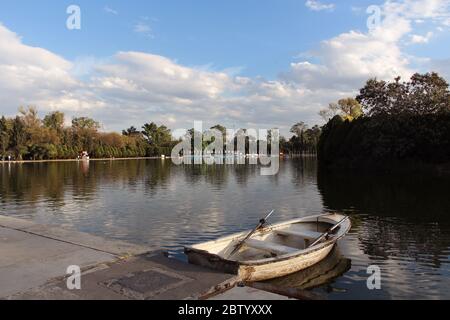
273 251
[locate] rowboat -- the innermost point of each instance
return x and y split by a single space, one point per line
320 274
272 251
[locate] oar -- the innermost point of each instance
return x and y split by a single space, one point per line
326 234
261 223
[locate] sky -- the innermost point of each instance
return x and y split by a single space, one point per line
241 63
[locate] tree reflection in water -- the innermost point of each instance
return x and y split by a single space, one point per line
395 216
400 223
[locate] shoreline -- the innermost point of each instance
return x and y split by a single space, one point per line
113 159
405 167
39 255
80 160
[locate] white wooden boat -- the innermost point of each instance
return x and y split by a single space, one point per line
332 267
273 251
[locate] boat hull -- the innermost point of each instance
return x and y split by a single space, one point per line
266 271
216 254
283 268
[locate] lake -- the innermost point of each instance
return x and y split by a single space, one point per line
400 223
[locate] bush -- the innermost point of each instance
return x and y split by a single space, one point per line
380 140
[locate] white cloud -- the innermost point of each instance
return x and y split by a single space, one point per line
30 75
143 28
316 5
111 11
157 76
131 88
419 9
350 58
134 87
419 39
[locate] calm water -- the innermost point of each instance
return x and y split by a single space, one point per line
401 224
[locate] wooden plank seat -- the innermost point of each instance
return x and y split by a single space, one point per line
271 247
305 234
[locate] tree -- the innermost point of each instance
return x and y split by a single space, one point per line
423 94
223 132
298 128
159 139
164 136
150 132
348 109
30 117
311 138
43 151
222 129
85 123
329 112
112 139
156 136
195 135
428 94
4 136
130 132
18 137
32 138
304 139
404 123
55 121
297 140
85 133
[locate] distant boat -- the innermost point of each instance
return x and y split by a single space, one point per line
274 251
84 156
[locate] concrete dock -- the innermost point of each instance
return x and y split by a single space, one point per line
34 259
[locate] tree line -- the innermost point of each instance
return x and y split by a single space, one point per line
386 121
389 123
28 137
304 140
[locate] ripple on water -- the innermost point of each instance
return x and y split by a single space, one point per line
160 205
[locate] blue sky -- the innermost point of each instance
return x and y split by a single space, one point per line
262 47
262 37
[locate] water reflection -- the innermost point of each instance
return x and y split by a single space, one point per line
110 197
321 274
416 197
406 215
400 223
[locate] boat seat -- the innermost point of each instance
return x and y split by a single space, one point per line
305 234
271 247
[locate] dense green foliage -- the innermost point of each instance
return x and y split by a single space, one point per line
407 121
376 140
304 140
27 137
348 109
